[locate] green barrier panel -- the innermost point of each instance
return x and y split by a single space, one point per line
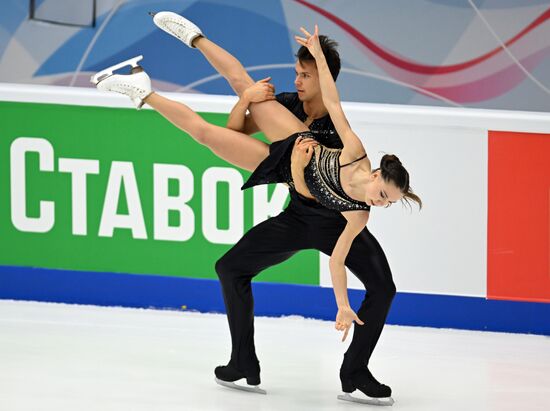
97 175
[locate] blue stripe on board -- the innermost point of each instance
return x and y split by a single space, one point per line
153 291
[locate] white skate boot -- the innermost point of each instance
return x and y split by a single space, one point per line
177 26
136 85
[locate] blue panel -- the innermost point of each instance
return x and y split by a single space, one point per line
151 291
12 14
131 32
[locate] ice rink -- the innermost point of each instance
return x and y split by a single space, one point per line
68 357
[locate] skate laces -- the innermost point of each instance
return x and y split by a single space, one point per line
180 30
120 84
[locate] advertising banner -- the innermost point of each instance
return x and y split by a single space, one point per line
116 190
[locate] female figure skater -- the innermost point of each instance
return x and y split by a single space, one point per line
351 191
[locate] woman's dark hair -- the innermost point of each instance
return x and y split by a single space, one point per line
393 171
329 50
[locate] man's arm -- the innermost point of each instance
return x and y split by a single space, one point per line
238 119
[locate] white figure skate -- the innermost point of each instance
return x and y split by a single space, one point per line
249 388
177 26
367 400
136 85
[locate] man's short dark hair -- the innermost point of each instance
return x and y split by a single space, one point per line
329 50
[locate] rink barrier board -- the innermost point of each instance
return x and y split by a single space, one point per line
39 251
273 300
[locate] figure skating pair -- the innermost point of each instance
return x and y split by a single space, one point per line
332 190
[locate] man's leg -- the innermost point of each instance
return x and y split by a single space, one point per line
269 243
367 261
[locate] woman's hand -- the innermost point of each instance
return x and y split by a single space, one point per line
302 152
344 318
260 91
311 42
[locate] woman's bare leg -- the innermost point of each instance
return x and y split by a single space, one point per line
236 148
274 120
225 63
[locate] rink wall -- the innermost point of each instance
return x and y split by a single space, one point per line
102 204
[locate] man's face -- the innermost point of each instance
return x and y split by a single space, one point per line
307 81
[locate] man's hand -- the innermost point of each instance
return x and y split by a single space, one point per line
260 91
302 152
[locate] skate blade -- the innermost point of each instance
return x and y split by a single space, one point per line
251 388
108 72
370 401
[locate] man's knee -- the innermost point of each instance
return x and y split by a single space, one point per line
383 292
391 290
224 268
386 293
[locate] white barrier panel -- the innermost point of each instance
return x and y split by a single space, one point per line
439 250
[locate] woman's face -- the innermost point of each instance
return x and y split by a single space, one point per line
381 193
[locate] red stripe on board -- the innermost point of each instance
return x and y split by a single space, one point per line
410 65
518 259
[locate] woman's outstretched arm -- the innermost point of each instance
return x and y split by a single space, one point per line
353 148
345 316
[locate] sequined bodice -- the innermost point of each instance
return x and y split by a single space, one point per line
322 176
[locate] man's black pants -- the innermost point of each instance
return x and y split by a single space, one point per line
303 225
